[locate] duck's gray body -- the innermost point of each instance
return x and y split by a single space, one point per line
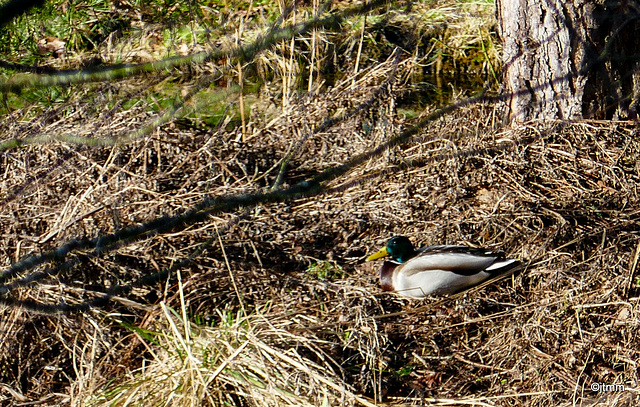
441 270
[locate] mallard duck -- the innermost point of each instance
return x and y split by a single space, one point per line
437 269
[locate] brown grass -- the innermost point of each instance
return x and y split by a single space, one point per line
282 309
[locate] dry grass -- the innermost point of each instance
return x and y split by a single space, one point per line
281 308
563 195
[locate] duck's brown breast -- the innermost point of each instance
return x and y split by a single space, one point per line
386 275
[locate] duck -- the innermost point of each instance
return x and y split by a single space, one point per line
437 270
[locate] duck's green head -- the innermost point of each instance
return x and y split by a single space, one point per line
399 248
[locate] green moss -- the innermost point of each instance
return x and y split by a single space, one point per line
325 270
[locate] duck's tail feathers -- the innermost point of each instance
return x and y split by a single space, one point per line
504 266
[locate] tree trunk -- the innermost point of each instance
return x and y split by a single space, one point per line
570 59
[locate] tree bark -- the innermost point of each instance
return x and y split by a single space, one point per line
570 59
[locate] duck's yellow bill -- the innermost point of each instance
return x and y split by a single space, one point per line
381 253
